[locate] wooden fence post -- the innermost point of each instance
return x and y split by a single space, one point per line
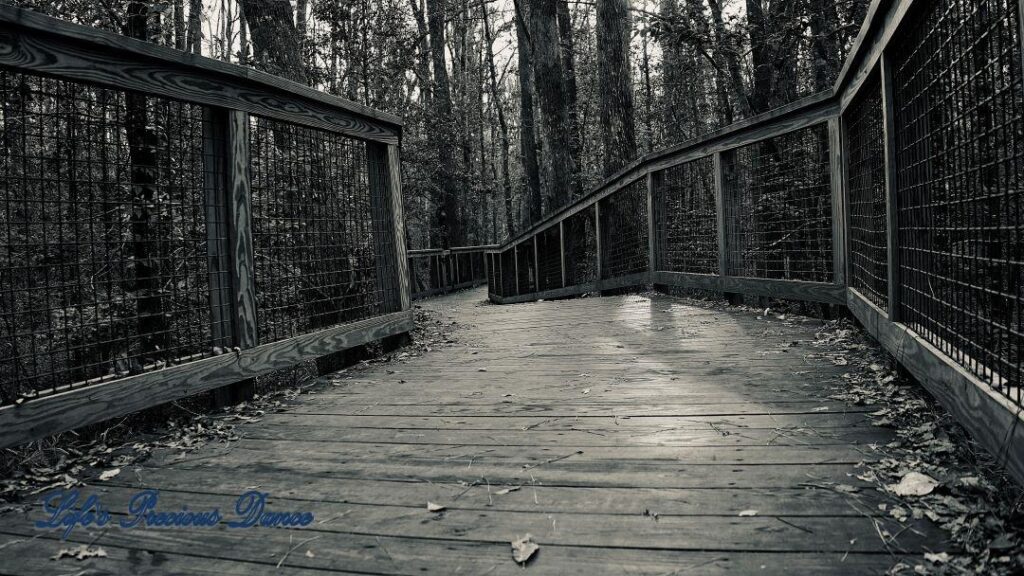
597 242
835 160
536 265
652 243
891 192
722 162
229 136
384 169
561 247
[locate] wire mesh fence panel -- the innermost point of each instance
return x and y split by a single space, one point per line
465 267
479 261
960 142
105 252
493 274
778 207
420 273
624 233
549 259
865 190
527 272
580 235
315 232
508 272
686 219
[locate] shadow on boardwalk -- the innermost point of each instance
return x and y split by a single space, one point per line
626 434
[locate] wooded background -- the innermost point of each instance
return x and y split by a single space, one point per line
514 108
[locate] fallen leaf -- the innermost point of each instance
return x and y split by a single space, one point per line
846 488
481 369
940 558
746 513
504 491
431 507
309 554
107 475
80 552
523 549
914 484
586 390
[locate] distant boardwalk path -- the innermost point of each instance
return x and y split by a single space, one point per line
626 434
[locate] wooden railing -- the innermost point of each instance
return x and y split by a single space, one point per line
899 194
171 224
438 271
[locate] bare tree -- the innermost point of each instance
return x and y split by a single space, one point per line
618 133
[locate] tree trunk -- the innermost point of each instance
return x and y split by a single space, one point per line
568 46
527 136
506 179
618 134
547 67
728 52
275 41
445 205
179 24
195 29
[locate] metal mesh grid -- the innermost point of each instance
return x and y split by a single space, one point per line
465 267
508 272
421 273
549 256
580 248
624 234
960 142
865 190
315 232
104 268
687 219
527 271
493 276
779 207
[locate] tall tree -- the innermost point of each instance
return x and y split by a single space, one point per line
275 41
618 133
506 179
547 68
568 50
445 204
527 136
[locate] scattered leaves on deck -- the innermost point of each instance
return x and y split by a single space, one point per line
80 552
523 549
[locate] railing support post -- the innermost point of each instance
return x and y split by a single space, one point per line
835 159
227 134
515 259
652 243
891 192
384 169
561 247
724 195
536 266
597 243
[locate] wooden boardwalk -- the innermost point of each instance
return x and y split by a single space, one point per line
626 434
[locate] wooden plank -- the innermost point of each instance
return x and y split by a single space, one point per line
81 406
394 179
42 45
566 292
721 193
599 275
837 187
990 417
891 189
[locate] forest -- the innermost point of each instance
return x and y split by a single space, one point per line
514 108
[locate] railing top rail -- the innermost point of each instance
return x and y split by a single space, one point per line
40 44
454 250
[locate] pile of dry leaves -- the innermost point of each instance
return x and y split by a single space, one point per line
933 469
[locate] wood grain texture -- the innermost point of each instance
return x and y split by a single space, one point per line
837 185
79 407
42 45
394 164
891 196
595 409
243 273
990 417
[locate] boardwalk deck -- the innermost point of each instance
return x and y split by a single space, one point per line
636 429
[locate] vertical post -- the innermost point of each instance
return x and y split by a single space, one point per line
561 247
232 127
835 161
537 265
597 242
891 188
722 162
652 244
384 167
515 260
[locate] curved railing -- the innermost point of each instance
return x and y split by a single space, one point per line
899 194
439 271
171 224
